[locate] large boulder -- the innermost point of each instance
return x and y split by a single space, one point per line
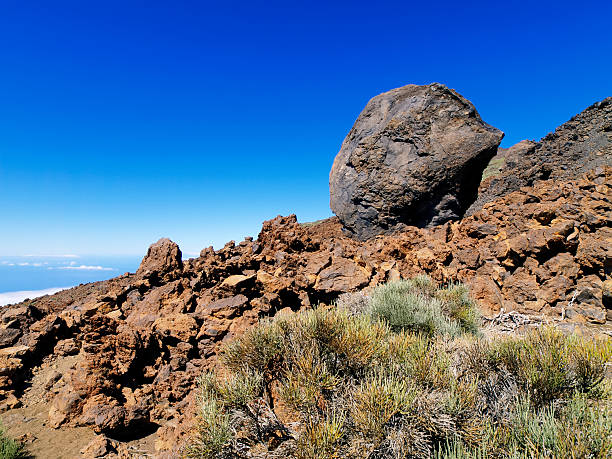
162 257
415 157
577 146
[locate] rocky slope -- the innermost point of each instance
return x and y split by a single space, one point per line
577 146
138 342
120 358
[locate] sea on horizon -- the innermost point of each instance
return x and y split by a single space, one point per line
32 276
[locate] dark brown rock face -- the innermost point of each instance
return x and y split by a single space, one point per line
578 146
162 257
414 157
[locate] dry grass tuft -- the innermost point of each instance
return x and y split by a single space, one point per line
405 373
9 448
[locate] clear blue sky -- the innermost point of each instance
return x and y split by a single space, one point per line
124 121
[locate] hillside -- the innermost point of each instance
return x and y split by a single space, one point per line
120 358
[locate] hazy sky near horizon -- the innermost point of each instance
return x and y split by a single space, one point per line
125 121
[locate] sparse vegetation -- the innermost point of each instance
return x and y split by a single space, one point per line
493 168
548 365
9 448
418 305
404 373
212 432
311 224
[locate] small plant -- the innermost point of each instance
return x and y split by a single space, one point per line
459 306
549 365
320 438
303 387
9 448
458 450
578 429
589 362
212 432
377 400
419 306
260 350
240 388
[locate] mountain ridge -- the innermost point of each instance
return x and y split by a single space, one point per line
121 357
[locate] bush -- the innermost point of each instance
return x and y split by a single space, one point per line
320 438
9 448
418 305
578 429
377 400
212 432
549 365
460 307
405 375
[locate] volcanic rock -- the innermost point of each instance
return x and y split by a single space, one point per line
342 276
225 307
178 326
236 281
66 347
100 446
542 250
64 405
578 146
414 157
162 257
8 336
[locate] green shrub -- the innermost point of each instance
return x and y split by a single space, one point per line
427 364
589 359
460 307
9 448
212 431
458 450
260 350
378 399
548 364
310 377
240 388
407 375
578 429
418 305
320 438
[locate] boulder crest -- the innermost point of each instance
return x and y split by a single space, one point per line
413 158
162 257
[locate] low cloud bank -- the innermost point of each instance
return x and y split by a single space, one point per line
16 297
87 268
53 265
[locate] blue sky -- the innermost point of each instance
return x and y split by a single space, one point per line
122 122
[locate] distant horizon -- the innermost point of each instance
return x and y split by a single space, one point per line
122 123
30 276
217 244
35 273
186 253
21 295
